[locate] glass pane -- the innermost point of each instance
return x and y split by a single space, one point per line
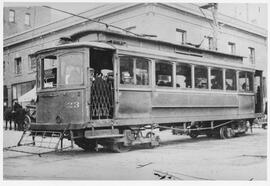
230 80
216 79
164 74
11 16
201 74
183 76
49 72
71 69
242 81
126 70
18 65
249 81
27 19
142 72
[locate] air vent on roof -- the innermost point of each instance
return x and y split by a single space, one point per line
117 42
64 40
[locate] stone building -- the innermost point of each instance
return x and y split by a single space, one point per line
20 19
183 24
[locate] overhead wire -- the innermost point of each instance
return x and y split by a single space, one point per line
96 21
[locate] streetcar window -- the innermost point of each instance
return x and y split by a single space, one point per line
216 79
183 75
142 71
164 74
242 81
49 71
246 81
249 81
201 77
230 80
126 70
71 69
134 70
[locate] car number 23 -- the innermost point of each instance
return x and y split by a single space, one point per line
71 105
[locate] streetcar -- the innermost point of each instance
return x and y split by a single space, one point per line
103 87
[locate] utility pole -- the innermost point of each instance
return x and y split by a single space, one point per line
214 10
215 31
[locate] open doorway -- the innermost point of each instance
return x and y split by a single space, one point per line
102 84
258 92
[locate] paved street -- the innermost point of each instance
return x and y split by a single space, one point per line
182 158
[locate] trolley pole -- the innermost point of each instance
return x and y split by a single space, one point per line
215 25
214 10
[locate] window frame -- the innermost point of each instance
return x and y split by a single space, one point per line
222 80
236 80
183 38
41 66
173 83
134 63
207 77
252 81
11 18
16 66
59 70
210 43
246 78
232 47
191 78
29 20
251 55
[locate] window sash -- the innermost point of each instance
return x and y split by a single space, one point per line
27 19
18 65
11 16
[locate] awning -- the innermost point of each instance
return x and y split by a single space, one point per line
28 96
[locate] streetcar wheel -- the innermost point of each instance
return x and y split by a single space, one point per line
193 135
230 133
86 144
120 148
223 132
209 135
150 134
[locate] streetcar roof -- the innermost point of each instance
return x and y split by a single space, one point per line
91 44
153 40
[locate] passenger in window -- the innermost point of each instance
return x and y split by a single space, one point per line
141 71
201 83
126 78
228 86
244 86
215 84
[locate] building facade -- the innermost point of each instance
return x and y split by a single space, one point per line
183 24
20 19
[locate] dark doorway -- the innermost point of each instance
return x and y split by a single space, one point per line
258 92
102 84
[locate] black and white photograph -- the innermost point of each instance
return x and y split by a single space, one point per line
135 91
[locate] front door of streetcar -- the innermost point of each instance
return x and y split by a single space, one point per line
102 84
258 92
